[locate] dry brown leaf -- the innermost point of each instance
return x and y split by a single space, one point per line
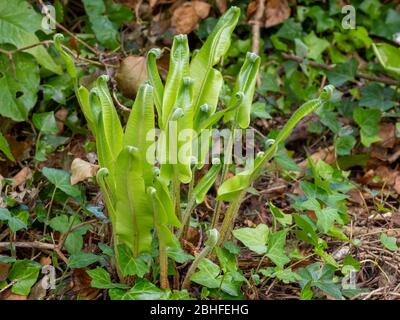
387 133
221 5
4 268
131 74
396 184
81 170
326 154
251 9
22 176
61 114
186 17
276 11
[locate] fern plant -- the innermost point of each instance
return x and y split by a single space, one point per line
142 187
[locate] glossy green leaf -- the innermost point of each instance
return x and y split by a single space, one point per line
130 265
232 187
368 120
18 24
45 122
207 80
82 260
389 242
68 60
276 248
89 110
343 72
24 274
101 279
178 69
110 121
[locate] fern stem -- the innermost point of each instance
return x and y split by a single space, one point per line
163 258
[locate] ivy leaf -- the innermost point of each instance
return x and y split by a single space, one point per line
287 276
276 248
18 85
18 24
389 242
61 179
368 120
74 242
207 274
321 277
24 273
253 238
5 148
83 259
376 96
343 72
130 265
344 145
143 290
101 279
45 122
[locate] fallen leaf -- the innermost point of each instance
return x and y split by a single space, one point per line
38 292
22 176
8 295
276 11
81 170
131 74
186 17
45 261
